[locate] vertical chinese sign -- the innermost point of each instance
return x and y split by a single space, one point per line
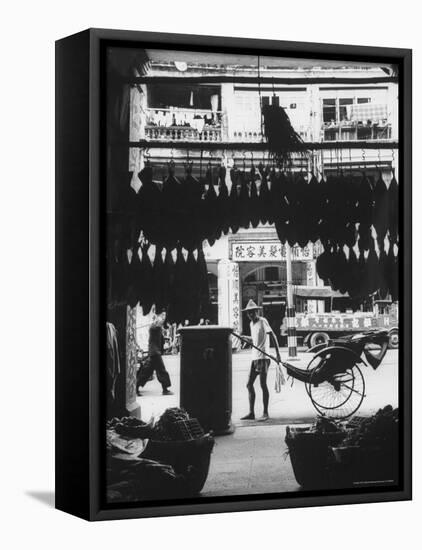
229 295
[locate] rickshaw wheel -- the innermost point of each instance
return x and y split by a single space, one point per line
338 397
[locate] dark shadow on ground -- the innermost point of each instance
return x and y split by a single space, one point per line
45 497
274 422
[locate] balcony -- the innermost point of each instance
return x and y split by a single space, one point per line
176 124
354 122
255 135
355 131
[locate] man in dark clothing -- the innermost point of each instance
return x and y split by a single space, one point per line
155 361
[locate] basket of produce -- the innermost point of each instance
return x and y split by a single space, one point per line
131 427
369 453
147 461
180 441
309 451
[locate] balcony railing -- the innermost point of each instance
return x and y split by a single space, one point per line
180 124
350 131
177 124
256 135
175 133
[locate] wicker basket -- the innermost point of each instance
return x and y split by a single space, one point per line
309 454
367 465
190 458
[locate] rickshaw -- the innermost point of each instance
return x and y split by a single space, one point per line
333 378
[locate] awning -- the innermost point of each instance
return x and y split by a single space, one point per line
317 292
367 111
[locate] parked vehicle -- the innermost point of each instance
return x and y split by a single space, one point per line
319 328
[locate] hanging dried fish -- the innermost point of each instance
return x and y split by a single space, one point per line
146 290
191 190
265 210
159 280
135 279
172 209
298 231
254 204
353 280
312 208
244 201
393 209
177 308
381 210
209 210
234 202
150 207
280 204
324 231
223 207
392 273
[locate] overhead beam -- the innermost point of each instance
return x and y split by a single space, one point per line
221 79
261 146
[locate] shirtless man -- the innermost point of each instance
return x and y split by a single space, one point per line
260 329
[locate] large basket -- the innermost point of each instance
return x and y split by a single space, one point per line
309 454
366 465
189 458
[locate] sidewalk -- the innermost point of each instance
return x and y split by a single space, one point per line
251 460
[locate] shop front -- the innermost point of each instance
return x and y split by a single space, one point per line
252 265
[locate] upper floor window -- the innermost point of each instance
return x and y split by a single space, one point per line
335 110
329 110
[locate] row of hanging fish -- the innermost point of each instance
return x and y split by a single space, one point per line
340 210
176 281
360 273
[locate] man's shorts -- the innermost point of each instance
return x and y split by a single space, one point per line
260 365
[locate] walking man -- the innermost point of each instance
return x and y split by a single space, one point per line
260 329
155 361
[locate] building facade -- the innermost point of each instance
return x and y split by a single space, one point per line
251 263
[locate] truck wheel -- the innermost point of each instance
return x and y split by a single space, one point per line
318 338
393 342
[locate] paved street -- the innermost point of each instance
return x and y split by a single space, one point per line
292 405
254 458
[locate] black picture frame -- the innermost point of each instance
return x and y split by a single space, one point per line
80 270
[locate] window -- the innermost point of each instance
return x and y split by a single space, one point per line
299 273
272 274
343 102
329 110
364 100
335 110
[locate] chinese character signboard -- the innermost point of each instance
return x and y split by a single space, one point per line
335 322
259 251
228 294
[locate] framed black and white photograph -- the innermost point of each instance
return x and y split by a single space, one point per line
233 274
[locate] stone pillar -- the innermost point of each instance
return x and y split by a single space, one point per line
125 403
137 121
229 303
311 281
290 310
227 104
